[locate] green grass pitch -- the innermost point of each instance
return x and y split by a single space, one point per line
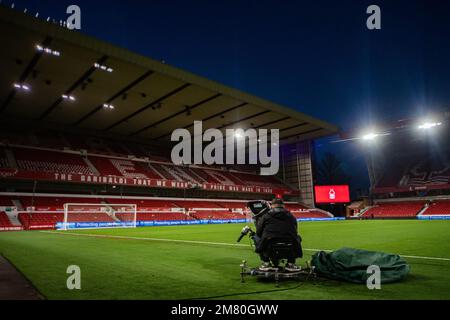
146 268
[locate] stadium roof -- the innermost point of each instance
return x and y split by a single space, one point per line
150 98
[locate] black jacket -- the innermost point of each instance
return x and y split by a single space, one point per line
277 223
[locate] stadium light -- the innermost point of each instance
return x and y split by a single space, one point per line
108 106
429 125
370 136
48 50
68 97
103 67
20 86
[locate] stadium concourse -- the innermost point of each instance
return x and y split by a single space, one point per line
83 121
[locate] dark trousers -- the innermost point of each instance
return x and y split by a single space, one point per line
258 249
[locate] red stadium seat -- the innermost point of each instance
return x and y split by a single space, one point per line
49 161
395 209
3 159
165 216
6 202
122 168
45 161
438 208
4 220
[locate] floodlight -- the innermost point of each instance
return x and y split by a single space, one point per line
21 86
370 136
49 51
103 67
429 125
68 97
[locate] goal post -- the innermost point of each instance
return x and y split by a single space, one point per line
98 215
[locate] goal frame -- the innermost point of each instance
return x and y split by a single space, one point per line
66 206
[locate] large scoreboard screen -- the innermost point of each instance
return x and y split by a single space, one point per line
332 194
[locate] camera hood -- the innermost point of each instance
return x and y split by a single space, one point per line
258 207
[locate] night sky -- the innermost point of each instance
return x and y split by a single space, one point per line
314 56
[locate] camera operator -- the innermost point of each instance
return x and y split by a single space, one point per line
277 223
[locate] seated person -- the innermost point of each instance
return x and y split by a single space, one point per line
277 223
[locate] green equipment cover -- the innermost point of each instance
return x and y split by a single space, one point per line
351 265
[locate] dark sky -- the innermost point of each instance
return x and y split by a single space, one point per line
315 56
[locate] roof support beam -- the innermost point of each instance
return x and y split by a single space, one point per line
72 88
151 104
26 73
118 94
190 108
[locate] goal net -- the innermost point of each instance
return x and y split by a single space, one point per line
95 215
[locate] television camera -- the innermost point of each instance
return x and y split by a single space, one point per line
277 249
258 208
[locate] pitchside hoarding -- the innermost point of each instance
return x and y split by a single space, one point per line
332 194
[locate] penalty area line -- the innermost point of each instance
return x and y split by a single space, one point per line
204 242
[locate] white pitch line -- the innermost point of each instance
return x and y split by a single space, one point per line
205 242
147 239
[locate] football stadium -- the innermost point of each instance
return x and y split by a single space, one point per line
87 183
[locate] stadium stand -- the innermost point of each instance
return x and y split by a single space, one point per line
33 221
122 168
265 181
416 167
301 212
310 214
37 160
38 220
170 172
87 156
53 203
231 205
5 201
208 215
50 161
395 209
225 177
165 216
145 204
43 212
3 159
4 220
57 161
196 204
438 208
295 206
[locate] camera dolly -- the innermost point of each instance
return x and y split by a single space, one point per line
277 274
